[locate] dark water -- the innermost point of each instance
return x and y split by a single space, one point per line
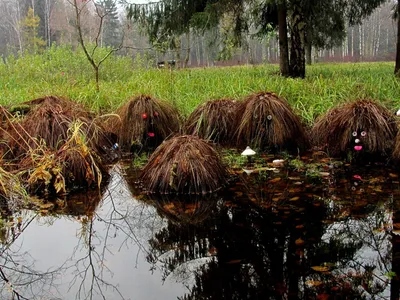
269 235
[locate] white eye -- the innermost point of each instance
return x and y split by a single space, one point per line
354 133
269 117
356 141
353 188
363 133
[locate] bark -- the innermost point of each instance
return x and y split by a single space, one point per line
297 64
397 66
283 39
308 52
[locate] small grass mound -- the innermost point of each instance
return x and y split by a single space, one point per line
74 166
145 123
359 128
48 121
213 120
266 121
184 165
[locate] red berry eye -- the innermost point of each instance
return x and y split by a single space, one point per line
364 133
354 133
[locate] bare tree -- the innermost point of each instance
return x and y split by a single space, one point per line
80 7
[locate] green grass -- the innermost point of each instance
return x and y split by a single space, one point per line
64 72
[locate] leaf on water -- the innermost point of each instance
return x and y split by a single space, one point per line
275 199
393 175
298 183
324 174
300 226
299 242
294 198
46 205
235 261
239 194
320 268
277 179
169 206
313 283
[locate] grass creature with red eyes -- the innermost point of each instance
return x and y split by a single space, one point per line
359 130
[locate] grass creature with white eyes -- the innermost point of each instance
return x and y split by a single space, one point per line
359 129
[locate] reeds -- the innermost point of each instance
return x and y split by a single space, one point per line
213 120
185 165
266 121
363 125
145 123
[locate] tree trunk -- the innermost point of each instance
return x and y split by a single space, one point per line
283 39
186 61
356 43
397 66
308 53
297 64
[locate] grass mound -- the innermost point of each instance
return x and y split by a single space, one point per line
266 121
145 123
47 123
359 127
213 120
185 165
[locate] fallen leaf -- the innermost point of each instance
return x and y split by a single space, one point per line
313 282
393 175
320 268
235 261
299 242
294 198
277 179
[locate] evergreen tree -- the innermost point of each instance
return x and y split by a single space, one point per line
32 41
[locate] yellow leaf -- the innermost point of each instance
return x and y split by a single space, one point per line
294 198
299 242
313 282
320 269
275 180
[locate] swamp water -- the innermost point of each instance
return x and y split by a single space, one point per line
272 234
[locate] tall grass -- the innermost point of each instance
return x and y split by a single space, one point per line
66 72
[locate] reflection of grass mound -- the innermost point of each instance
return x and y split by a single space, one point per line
184 164
266 121
185 211
145 123
213 120
363 125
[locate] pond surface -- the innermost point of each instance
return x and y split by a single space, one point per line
273 234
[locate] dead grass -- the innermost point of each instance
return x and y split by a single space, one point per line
145 122
266 121
340 127
185 165
213 120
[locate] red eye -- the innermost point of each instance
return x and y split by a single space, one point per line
354 133
363 133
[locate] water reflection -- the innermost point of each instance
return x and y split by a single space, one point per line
270 235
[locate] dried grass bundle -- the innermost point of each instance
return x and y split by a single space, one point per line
186 165
266 121
363 125
213 120
49 120
145 123
75 165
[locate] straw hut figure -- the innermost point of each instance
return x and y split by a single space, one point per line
266 121
359 129
145 122
183 165
213 120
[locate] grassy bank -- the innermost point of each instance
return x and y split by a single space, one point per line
61 71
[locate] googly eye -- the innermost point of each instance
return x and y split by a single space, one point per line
354 133
356 141
363 133
361 190
355 183
353 188
269 117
